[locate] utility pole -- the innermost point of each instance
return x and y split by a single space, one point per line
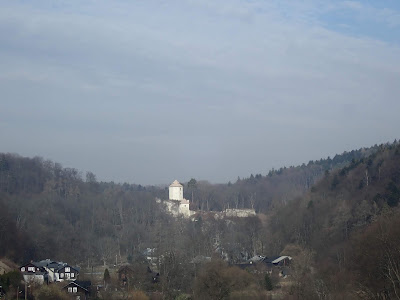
26 291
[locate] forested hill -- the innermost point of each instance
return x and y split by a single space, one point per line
49 211
34 175
271 191
338 218
349 226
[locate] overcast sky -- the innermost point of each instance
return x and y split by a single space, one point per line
151 91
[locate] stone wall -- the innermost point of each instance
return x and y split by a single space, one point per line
241 213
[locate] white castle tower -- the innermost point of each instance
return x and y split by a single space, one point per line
176 191
176 204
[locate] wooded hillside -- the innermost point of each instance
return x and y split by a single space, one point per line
332 215
348 225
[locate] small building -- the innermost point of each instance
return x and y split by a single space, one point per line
155 276
282 261
258 264
66 272
80 290
125 272
257 258
52 268
33 273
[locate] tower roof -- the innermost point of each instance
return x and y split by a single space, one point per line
176 183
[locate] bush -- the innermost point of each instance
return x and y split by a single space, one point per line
217 280
107 276
11 278
50 292
138 295
268 283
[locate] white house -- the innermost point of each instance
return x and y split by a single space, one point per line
48 271
66 272
33 273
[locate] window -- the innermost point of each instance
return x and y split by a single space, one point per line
23 269
75 289
67 269
72 275
31 269
70 290
61 275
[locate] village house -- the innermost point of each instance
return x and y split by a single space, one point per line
278 265
34 273
48 271
124 273
51 267
80 290
282 261
66 272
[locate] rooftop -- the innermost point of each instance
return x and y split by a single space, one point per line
176 183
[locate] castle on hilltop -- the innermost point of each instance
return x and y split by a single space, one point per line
176 204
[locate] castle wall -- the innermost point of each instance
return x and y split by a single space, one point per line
241 213
176 193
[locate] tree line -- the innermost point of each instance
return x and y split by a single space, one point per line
317 212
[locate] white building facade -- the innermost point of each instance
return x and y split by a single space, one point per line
176 204
176 191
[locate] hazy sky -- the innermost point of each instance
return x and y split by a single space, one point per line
151 91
